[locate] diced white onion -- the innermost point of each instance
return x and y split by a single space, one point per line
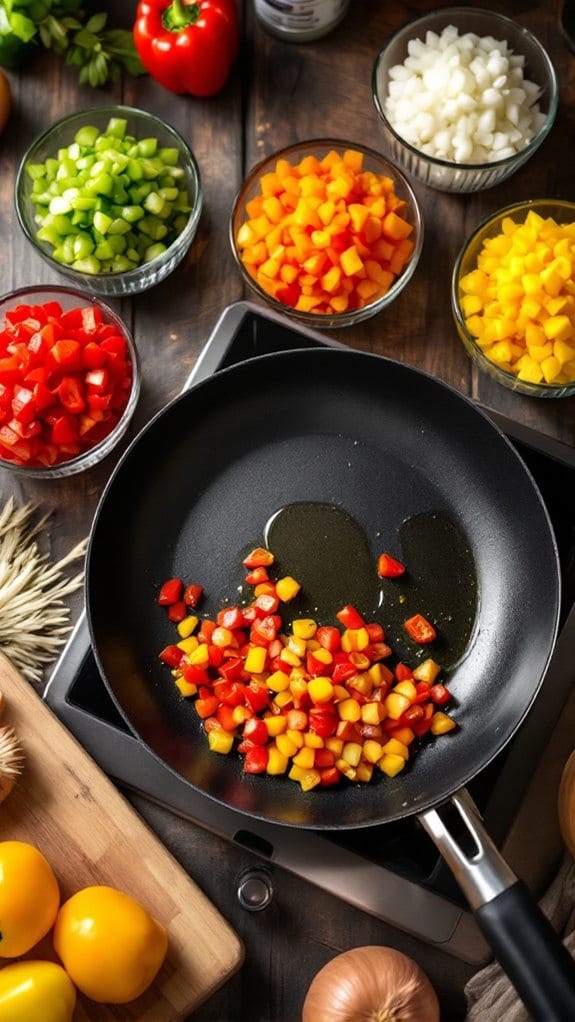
463 98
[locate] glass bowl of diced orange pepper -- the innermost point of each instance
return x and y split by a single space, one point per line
326 231
513 297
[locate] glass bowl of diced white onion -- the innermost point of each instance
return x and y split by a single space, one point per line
464 97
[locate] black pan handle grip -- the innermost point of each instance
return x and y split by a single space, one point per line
523 940
526 945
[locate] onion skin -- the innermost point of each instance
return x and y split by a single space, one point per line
371 984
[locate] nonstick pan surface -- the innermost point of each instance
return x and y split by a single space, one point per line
380 440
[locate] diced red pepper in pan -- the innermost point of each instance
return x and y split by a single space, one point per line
420 629
389 567
170 592
259 558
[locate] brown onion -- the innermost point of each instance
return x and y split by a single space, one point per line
371 984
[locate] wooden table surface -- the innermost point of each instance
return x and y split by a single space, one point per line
280 93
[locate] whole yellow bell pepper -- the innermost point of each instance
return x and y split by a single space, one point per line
34 990
109 944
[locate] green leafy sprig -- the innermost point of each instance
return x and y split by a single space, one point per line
100 53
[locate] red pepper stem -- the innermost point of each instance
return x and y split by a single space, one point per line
179 15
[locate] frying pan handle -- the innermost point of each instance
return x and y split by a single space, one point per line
523 940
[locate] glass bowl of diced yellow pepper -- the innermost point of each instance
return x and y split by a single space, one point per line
327 231
513 297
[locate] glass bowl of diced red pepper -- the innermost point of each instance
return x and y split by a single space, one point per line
69 381
327 231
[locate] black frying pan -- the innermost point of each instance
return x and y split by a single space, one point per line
385 443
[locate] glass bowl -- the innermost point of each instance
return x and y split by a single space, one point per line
39 367
542 308
443 174
123 187
373 163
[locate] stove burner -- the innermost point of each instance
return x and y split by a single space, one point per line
393 871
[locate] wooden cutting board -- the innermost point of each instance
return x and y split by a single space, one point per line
66 806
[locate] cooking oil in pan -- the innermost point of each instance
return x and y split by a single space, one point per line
328 552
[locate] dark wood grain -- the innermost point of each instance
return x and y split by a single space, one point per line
279 93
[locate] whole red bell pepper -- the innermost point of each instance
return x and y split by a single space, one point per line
188 47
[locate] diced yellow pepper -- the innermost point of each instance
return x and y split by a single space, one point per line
406 688
287 588
220 741
346 769
187 688
349 709
427 671
441 723
200 655
354 639
278 681
277 762
276 725
187 625
304 627
310 779
286 745
372 750
255 660
304 757
396 748
396 705
320 690
334 745
312 741
391 764
373 713
188 644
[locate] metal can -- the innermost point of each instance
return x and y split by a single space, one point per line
300 21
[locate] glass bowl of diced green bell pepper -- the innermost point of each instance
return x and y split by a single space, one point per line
111 198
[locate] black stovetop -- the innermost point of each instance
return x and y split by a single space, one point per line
419 893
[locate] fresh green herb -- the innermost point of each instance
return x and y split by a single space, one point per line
98 52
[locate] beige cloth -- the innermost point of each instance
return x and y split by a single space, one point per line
490 995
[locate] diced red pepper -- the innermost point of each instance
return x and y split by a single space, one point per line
323 722
194 673
257 697
350 617
206 706
170 592
343 671
440 694
256 760
403 672
71 394
232 669
264 630
329 776
257 576
225 717
256 731
259 558
231 617
266 604
177 611
389 567
329 637
420 629
193 594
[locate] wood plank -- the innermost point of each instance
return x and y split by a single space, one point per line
66 806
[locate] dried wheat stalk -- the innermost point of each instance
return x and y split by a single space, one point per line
33 616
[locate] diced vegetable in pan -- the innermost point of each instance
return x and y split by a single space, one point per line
320 703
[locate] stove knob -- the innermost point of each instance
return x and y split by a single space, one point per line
255 890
